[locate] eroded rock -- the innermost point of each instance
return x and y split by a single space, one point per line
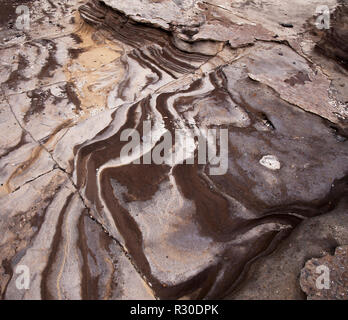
91 225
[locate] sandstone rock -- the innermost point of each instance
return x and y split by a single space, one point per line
91 224
333 42
277 276
162 13
335 286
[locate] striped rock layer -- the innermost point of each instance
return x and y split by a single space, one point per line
89 225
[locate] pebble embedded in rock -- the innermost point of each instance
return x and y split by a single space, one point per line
271 162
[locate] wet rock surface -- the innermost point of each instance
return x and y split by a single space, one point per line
90 225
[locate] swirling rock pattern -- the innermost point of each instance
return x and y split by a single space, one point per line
90 226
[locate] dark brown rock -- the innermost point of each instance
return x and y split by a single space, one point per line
335 40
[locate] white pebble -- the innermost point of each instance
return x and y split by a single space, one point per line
271 162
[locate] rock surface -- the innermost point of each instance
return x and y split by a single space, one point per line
335 287
333 42
90 225
277 276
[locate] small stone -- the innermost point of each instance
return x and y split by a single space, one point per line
271 162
